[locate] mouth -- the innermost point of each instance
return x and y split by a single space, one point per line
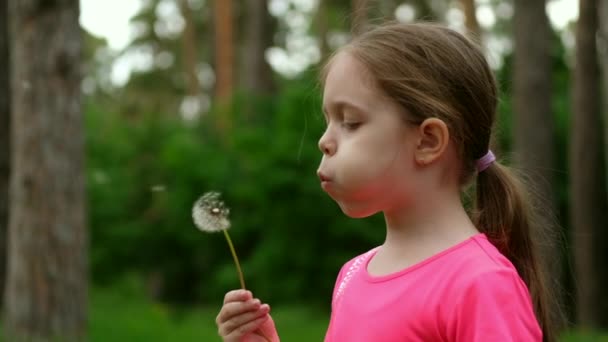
323 178
325 181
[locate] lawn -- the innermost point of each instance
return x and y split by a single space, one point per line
125 316
116 317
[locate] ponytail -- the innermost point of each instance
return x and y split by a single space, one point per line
503 212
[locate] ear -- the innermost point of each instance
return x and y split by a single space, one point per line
433 140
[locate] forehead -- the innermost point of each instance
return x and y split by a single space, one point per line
349 80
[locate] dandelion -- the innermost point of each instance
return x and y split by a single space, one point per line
210 215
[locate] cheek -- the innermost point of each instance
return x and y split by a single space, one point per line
369 163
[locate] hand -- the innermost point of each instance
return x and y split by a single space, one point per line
245 319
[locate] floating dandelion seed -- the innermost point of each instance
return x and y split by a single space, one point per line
210 215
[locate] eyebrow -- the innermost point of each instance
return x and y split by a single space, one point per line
340 104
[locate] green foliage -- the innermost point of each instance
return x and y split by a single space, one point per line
144 174
146 170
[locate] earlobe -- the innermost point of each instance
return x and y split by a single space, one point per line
434 137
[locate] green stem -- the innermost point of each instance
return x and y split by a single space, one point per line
238 269
236 259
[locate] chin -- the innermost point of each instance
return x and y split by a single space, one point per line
354 212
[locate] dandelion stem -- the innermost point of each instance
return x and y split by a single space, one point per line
238 268
236 259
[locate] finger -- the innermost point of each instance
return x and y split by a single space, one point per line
247 328
236 308
237 295
235 322
233 296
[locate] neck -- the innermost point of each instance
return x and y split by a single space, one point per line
431 224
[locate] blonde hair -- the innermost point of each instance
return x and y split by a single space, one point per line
433 71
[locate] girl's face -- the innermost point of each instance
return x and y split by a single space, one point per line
368 164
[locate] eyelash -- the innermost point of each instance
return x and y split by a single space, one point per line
351 126
348 125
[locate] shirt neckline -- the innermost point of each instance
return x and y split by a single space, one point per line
377 279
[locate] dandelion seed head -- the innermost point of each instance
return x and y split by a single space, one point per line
210 214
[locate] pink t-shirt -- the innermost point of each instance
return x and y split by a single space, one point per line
469 292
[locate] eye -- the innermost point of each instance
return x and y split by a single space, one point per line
351 125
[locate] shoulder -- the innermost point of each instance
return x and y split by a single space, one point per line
488 299
475 260
350 268
480 256
479 272
359 260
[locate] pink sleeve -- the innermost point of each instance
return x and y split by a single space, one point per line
495 306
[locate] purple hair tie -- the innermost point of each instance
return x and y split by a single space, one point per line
485 161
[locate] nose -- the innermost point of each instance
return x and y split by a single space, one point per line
327 144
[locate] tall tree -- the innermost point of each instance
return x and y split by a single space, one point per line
259 30
4 138
189 54
603 41
224 50
424 10
533 127
603 240
470 19
46 292
587 167
387 8
179 57
359 15
224 62
321 25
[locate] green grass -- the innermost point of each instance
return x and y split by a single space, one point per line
580 336
125 315
120 317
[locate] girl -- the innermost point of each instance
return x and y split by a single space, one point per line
409 111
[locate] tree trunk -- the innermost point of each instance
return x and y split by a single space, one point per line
224 49
224 64
46 293
470 19
387 9
588 182
257 73
321 23
359 16
424 11
533 129
602 240
603 53
4 139
189 44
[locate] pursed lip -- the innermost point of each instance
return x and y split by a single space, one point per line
323 177
325 180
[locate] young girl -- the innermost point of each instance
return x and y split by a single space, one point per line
410 110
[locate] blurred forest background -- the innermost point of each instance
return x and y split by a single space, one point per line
98 172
